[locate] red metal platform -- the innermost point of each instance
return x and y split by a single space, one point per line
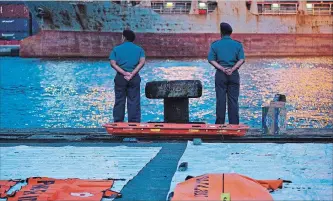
174 130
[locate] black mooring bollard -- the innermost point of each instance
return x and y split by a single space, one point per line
176 110
176 96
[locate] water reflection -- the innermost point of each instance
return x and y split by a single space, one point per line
75 102
79 93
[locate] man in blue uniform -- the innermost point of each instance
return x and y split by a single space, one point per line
227 56
127 59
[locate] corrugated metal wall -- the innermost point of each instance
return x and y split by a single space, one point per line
14 35
13 11
15 22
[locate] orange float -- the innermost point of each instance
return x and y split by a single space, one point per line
44 188
5 185
225 187
175 130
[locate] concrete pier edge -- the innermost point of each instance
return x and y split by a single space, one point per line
297 135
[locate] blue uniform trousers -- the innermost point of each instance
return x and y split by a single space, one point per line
227 88
129 90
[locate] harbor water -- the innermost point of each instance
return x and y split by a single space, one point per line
72 93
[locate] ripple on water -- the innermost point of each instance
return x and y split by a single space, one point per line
79 93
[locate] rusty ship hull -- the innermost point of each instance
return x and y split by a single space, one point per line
92 29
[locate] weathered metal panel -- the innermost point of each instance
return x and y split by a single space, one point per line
13 11
108 16
14 24
9 42
34 26
13 35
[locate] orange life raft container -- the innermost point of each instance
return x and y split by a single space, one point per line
43 188
175 130
5 185
225 187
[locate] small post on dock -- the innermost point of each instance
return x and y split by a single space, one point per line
274 116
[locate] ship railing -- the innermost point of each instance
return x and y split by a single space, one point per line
315 11
291 8
163 10
320 11
179 8
278 12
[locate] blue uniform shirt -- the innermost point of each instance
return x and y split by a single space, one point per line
127 55
226 52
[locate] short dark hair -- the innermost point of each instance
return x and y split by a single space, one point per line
225 29
129 35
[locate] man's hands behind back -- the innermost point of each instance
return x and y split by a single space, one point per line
128 76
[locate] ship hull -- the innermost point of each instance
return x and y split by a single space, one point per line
92 29
111 17
166 45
